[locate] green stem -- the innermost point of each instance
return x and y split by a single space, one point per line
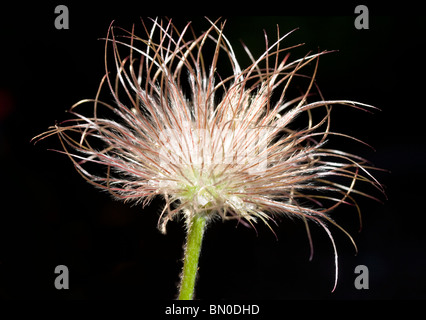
192 253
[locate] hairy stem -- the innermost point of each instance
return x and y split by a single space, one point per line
196 227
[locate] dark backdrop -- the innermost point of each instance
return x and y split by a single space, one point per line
50 216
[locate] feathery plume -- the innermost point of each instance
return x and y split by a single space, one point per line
212 145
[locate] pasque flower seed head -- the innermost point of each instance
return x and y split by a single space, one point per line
212 144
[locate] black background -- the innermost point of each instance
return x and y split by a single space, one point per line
50 216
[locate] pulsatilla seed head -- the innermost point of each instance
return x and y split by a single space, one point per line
212 144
